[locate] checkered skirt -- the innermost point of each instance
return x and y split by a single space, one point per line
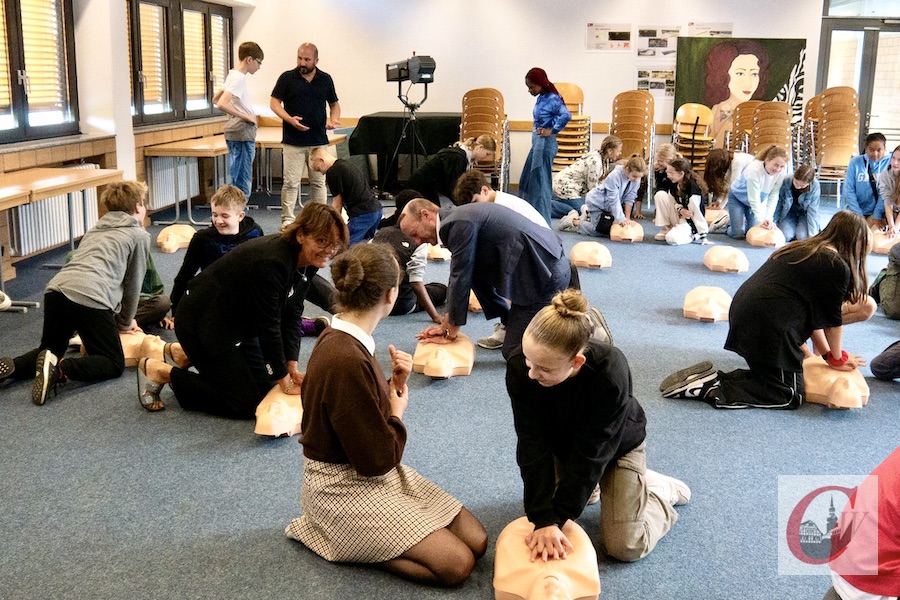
351 518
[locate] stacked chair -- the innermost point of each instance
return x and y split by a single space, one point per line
812 114
483 113
837 135
771 125
738 139
632 122
575 139
692 133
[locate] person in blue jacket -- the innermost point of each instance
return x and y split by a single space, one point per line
797 214
860 191
550 116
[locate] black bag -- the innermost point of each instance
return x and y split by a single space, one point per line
604 223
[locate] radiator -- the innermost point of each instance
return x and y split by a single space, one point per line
43 224
162 181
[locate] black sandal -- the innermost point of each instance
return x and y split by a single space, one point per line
7 367
148 391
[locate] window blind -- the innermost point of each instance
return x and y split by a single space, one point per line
43 38
153 58
195 71
220 36
5 85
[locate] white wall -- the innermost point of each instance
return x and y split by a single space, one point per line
491 43
104 93
476 43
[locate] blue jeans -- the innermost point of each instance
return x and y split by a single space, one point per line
560 207
242 164
362 227
738 213
794 227
536 182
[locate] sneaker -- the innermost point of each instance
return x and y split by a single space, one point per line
674 491
720 224
685 374
661 234
5 301
696 388
285 223
46 376
567 223
595 495
320 324
495 340
601 331
7 367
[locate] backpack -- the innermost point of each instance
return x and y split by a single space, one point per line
888 288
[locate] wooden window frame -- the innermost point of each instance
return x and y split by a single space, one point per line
175 45
16 59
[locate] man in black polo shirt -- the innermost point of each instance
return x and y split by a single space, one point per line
299 98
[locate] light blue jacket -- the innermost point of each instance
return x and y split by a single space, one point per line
610 195
808 203
857 193
551 113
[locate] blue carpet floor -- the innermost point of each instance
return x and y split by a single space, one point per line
103 500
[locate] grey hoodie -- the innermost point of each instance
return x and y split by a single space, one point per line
107 269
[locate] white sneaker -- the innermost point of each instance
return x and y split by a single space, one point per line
496 339
286 222
566 223
674 491
600 332
720 224
661 235
595 495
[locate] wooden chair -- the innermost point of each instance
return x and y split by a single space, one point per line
483 113
739 138
692 132
574 140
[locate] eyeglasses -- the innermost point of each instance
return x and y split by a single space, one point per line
258 61
324 244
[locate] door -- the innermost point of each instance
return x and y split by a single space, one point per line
864 54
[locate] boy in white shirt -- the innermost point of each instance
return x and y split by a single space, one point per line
240 130
472 186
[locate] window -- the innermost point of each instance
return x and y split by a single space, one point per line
38 97
180 53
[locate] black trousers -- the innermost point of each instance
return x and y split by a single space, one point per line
151 311
99 333
410 303
230 382
761 386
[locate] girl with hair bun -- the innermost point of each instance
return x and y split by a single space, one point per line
353 439
580 428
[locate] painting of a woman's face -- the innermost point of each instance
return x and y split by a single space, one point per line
743 77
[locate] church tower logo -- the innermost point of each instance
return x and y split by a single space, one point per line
824 521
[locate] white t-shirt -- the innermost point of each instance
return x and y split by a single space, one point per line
236 85
522 207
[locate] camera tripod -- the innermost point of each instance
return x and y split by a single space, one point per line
410 132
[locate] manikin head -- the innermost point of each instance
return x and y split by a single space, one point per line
832 388
726 259
550 587
173 237
442 361
882 244
592 255
279 414
631 232
765 238
707 304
